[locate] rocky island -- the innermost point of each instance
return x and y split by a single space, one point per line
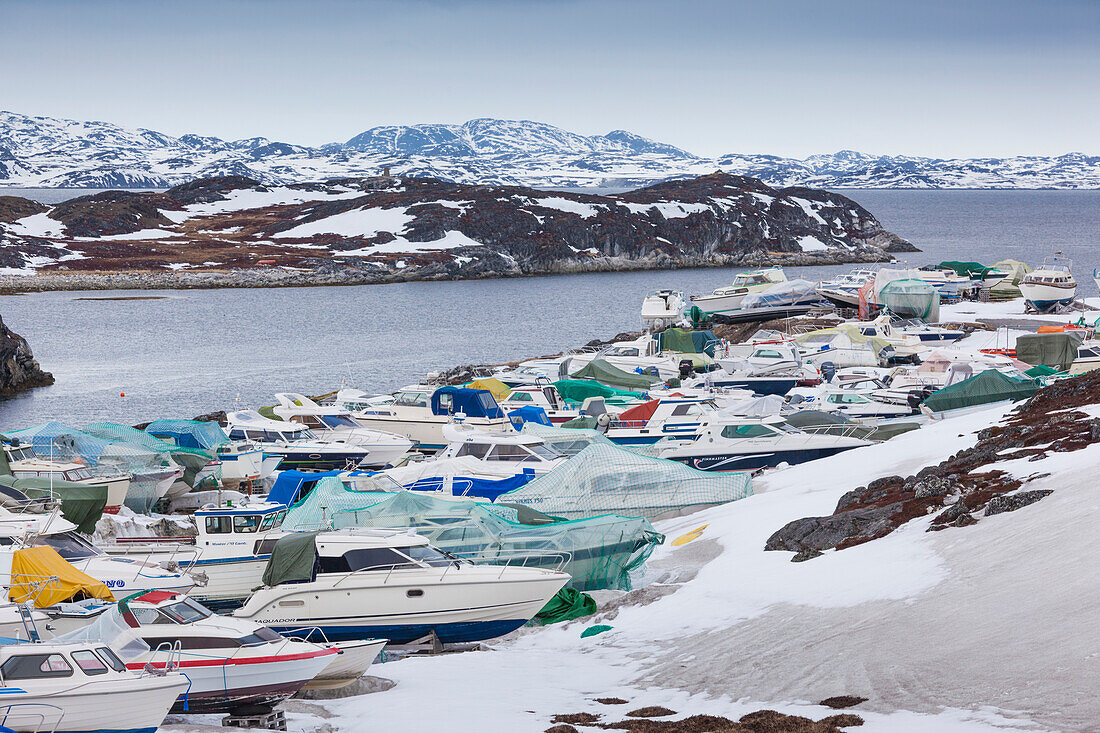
19 370
233 231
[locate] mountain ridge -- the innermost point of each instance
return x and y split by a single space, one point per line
49 152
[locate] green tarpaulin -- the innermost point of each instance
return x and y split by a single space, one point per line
81 504
606 373
1058 350
972 270
566 605
1042 371
911 299
988 386
578 390
687 342
292 559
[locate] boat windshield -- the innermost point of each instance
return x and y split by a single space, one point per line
71 546
427 555
338 421
621 351
186 611
20 454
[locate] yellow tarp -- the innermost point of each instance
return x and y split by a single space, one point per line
41 575
499 389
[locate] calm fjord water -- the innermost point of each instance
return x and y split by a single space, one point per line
196 351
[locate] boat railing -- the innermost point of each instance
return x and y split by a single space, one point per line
172 651
305 633
39 727
558 559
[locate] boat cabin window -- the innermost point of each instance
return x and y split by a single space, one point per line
147 616
478 450
20 454
311 421
219 525
70 545
78 474
246 523
272 520
846 399
520 397
89 663
371 558
262 635
186 611
622 351
35 666
688 409
520 453
411 399
110 658
338 421
746 431
767 354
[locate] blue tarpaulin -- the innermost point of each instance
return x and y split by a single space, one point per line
528 413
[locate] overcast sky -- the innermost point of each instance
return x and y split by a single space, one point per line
791 77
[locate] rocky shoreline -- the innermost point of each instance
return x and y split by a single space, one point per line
350 274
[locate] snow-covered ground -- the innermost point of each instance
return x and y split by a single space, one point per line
983 628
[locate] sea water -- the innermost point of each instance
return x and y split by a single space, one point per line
189 352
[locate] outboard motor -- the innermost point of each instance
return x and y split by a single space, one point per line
687 368
602 423
828 371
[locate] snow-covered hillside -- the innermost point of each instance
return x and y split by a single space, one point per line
51 152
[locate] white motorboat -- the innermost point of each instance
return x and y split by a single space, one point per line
235 666
296 445
677 418
1050 286
662 309
856 405
360 583
520 451
22 462
728 299
122 575
544 396
70 686
419 413
523 376
752 443
843 291
231 548
337 425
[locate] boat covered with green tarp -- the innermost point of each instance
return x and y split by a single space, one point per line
687 342
579 390
983 388
607 373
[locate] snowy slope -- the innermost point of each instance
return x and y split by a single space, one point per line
51 152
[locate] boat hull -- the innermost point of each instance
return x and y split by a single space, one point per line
730 461
137 705
471 603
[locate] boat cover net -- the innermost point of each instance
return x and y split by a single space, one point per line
606 478
598 552
57 442
193 460
911 298
111 629
190 433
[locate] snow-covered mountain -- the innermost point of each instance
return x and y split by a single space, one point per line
50 152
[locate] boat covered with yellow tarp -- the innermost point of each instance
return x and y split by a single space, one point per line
499 389
41 575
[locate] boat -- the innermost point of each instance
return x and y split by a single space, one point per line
521 452
728 299
296 445
662 309
337 425
544 396
855 404
523 376
235 666
371 583
237 461
120 574
24 463
752 443
843 291
1049 286
69 686
231 548
420 412
676 418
